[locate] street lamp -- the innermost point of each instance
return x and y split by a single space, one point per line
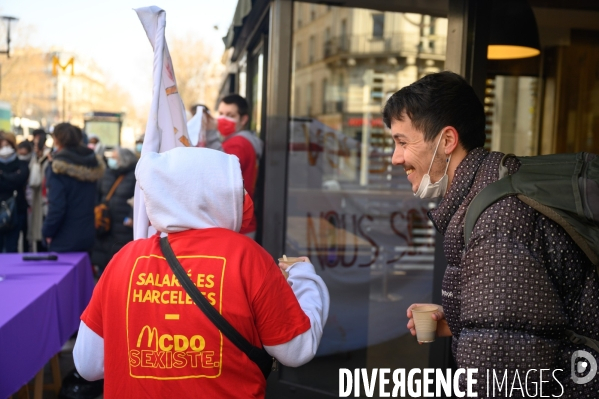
8 21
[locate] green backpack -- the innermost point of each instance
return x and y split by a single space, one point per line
563 187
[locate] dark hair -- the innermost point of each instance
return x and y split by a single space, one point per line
9 137
438 100
242 104
42 141
39 132
67 135
26 144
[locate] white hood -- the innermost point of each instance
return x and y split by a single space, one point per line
191 188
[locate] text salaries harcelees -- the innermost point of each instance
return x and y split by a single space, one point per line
171 296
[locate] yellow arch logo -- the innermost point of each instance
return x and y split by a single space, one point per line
56 63
151 333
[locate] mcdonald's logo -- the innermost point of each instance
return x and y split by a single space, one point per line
56 63
151 332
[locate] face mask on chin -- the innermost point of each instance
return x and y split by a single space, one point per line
226 126
433 190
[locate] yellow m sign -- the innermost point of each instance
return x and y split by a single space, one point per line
56 63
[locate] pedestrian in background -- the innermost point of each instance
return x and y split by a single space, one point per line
94 143
37 183
120 175
139 143
25 154
246 145
71 182
13 179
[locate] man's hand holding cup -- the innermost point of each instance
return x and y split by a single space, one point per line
427 321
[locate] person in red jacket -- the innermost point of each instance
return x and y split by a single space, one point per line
246 145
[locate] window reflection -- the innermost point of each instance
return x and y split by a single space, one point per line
510 108
348 209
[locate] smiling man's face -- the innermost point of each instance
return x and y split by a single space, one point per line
415 154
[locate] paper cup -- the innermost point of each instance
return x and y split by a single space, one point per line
426 327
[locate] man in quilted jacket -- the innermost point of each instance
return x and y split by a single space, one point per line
521 281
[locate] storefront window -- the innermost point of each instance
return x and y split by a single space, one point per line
348 209
511 108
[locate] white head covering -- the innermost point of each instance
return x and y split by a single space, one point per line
191 188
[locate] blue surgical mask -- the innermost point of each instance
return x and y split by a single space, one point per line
112 163
138 147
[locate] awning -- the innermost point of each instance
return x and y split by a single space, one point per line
241 11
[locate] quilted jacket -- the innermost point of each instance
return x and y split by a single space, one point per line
71 182
107 246
510 294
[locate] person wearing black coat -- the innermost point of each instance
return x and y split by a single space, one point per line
122 163
71 183
13 178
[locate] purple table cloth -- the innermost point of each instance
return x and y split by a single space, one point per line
40 306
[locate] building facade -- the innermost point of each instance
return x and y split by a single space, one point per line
48 87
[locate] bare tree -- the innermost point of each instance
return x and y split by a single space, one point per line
195 66
39 90
26 82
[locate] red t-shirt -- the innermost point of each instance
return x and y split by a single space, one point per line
158 343
244 150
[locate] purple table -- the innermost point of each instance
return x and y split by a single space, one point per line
40 306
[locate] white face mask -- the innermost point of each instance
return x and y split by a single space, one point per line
433 190
6 151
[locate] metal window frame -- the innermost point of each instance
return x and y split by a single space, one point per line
278 91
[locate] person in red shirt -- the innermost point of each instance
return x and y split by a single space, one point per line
246 145
141 331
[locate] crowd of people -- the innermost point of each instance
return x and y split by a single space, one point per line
56 190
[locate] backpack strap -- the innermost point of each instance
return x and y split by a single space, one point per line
503 170
113 188
258 355
485 198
